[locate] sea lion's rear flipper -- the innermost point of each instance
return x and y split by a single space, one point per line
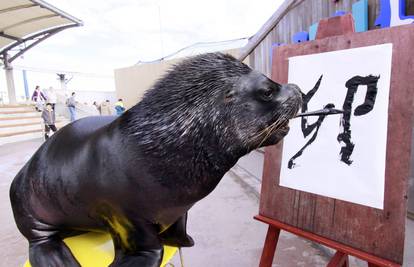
142 258
51 252
176 235
135 243
46 247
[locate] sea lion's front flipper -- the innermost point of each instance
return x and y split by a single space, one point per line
176 235
51 251
136 244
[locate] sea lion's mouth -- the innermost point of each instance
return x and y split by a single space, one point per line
291 114
284 128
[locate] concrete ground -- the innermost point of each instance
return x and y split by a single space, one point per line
222 224
13 247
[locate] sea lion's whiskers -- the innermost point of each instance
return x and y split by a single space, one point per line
265 130
268 128
273 126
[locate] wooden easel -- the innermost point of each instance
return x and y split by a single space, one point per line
340 259
304 204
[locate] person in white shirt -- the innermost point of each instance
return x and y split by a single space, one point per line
51 97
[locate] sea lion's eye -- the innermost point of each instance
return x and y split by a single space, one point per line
266 95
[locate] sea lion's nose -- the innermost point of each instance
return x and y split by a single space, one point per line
289 91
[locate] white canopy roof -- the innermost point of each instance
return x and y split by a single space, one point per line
29 22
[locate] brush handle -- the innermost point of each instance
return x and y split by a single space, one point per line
323 112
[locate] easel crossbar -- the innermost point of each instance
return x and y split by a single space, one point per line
371 259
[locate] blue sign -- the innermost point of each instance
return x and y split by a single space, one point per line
360 14
312 31
300 37
392 13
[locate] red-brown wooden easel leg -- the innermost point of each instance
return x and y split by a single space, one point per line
269 247
372 265
340 259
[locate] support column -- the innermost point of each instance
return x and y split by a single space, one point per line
11 90
62 79
26 86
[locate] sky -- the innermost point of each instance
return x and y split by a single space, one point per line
118 34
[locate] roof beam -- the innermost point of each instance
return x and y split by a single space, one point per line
2 34
13 8
28 21
255 40
30 38
47 35
33 44
43 4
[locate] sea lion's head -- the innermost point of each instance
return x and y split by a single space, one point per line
214 101
261 109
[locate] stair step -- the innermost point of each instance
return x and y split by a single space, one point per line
24 130
19 124
16 109
25 120
22 135
20 120
10 128
7 115
15 105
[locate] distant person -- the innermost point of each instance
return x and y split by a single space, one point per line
106 108
38 97
98 107
49 119
71 104
51 97
119 107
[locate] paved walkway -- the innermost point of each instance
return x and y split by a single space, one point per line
13 247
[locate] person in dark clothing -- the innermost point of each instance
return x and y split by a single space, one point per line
49 119
38 97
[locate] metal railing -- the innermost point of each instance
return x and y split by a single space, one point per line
82 110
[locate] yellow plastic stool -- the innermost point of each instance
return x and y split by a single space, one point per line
96 250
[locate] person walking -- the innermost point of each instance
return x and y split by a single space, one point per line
119 107
97 107
38 97
49 119
106 108
71 104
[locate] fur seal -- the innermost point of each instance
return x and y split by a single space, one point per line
137 175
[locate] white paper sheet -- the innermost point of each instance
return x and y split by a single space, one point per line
319 169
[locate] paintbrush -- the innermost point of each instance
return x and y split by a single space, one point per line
324 112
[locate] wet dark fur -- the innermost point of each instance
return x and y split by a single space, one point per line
144 170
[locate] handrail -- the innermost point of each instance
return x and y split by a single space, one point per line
264 31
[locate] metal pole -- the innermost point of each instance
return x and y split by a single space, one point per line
26 87
10 80
181 257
